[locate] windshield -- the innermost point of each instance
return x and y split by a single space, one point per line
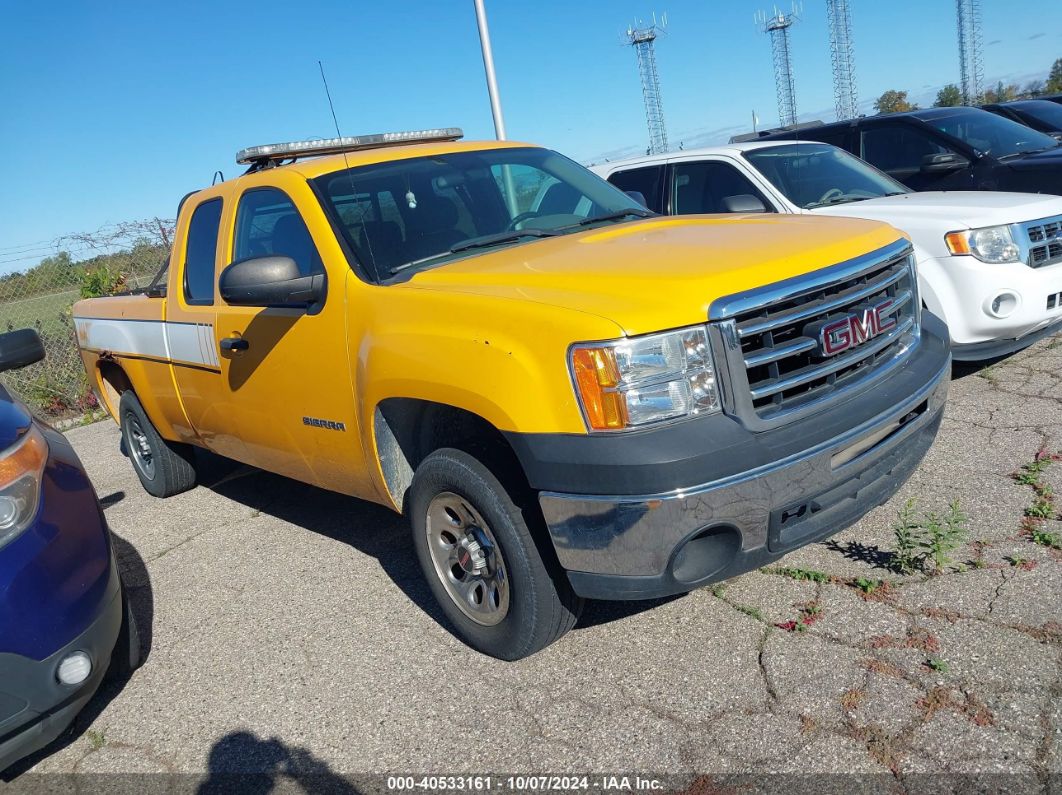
407 215
989 133
1047 113
817 175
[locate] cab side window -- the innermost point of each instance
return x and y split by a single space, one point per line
268 224
200 252
705 186
648 181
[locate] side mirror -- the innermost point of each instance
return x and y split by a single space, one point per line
269 281
20 348
638 196
943 163
744 203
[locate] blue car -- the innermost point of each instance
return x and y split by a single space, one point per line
64 620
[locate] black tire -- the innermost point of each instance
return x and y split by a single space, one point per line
164 468
541 604
126 656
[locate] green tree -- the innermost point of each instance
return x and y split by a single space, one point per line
893 102
1002 93
1054 79
948 97
1033 88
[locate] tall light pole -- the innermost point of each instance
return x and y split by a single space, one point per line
488 67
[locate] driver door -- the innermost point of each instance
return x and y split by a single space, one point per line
287 387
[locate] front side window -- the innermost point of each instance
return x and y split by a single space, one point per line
268 224
988 133
410 214
816 175
712 186
899 148
647 180
201 252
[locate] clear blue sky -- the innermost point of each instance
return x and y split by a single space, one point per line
112 111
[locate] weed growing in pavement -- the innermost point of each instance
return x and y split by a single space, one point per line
924 543
866 585
906 530
801 574
1044 538
810 612
1043 506
936 664
1021 563
96 739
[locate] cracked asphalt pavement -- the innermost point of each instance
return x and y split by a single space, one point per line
288 623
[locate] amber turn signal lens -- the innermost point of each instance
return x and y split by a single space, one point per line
957 243
29 455
596 378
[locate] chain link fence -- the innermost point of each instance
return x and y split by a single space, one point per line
38 290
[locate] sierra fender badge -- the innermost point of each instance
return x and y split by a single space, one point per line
330 425
839 334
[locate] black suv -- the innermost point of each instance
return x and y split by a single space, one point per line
1040 114
947 149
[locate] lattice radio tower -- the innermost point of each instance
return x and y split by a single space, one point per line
777 27
971 66
642 37
845 98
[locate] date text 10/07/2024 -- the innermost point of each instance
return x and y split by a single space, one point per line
525 783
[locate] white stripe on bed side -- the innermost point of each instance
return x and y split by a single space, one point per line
190 343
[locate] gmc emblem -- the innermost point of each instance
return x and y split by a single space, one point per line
842 334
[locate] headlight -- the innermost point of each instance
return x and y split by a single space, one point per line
20 483
993 244
638 381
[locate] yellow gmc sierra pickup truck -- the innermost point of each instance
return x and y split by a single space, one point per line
567 396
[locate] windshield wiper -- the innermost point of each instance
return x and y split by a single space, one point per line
501 237
840 200
616 216
486 241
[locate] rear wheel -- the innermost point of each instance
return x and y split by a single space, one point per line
504 596
164 468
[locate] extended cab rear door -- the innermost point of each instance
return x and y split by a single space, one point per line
191 311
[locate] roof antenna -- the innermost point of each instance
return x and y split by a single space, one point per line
346 165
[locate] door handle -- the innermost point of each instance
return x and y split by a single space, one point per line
234 344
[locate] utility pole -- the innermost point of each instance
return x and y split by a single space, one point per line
488 67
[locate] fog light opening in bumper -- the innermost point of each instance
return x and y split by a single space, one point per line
1002 304
706 553
74 668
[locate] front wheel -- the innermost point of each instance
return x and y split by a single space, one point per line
504 597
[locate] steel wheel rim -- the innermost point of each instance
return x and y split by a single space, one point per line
467 559
139 447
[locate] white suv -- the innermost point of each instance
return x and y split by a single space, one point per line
989 263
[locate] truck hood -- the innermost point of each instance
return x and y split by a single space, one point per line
952 209
659 273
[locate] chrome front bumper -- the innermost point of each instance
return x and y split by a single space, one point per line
617 547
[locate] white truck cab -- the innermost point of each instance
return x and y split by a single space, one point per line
989 263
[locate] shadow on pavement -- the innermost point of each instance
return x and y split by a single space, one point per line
140 594
245 763
369 528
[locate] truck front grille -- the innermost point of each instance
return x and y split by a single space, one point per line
776 366
1045 242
